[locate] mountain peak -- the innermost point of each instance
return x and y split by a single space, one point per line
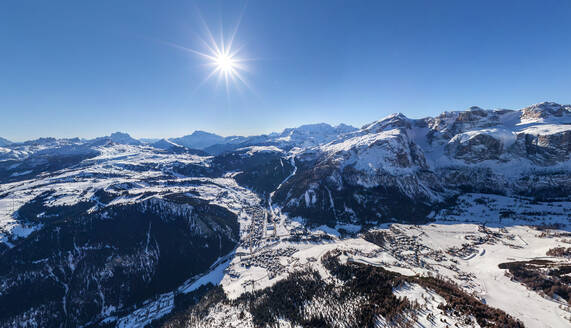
310 128
198 140
201 133
166 145
395 120
119 134
123 138
544 110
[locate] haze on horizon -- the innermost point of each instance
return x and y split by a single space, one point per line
73 69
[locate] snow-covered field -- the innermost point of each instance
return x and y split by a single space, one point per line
422 250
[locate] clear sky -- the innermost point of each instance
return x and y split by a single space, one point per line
88 68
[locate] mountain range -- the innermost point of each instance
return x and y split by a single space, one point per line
400 222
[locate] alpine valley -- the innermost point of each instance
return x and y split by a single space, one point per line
459 220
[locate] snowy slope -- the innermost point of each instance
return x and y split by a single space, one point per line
450 197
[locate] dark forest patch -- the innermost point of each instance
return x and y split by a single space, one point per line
543 276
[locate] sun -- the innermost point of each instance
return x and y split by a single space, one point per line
222 55
225 63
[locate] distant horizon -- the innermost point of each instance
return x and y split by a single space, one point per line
265 133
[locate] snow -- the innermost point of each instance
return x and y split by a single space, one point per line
17 174
326 229
213 277
260 149
165 144
429 302
371 153
489 281
312 134
109 169
353 228
499 291
546 129
498 210
10 226
150 311
506 136
359 141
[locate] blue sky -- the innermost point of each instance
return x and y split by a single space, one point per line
88 68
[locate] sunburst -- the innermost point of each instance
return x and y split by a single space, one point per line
221 56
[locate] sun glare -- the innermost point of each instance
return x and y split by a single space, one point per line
224 63
222 55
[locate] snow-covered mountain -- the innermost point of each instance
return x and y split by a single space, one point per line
4 142
168 145
199 140
401 222
424 162
303 136
311 134
118 138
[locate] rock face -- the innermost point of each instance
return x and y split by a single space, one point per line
123 138
116 137
547 111
544 149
